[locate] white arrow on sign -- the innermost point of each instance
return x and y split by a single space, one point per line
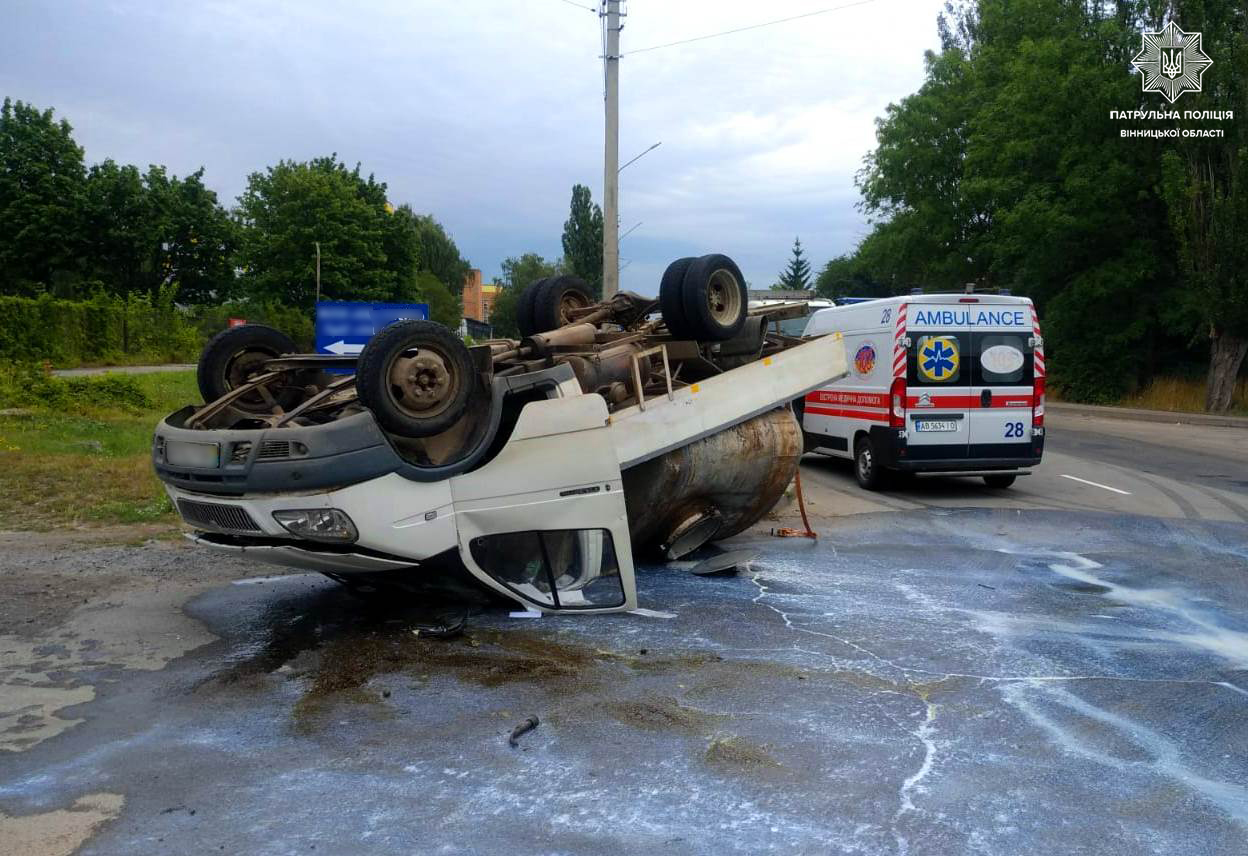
340 348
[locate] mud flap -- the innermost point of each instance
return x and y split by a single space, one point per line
544 523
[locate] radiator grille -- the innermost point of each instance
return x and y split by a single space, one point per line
272 449
211 515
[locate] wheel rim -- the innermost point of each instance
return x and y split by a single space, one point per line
723 297
243 366
864 463
570 301
421 383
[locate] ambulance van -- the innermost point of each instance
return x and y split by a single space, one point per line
938 384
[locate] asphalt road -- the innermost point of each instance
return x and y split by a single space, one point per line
1193 472
1054 668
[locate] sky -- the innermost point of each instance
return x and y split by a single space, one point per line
485 113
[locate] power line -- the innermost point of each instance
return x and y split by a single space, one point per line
580 5
750 27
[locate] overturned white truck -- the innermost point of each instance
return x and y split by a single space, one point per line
541 464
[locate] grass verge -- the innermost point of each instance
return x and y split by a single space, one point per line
76 452
1185 395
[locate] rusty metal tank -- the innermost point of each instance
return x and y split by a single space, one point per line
712 488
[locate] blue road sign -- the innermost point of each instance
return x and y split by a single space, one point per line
344 326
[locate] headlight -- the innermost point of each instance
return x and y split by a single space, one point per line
318 524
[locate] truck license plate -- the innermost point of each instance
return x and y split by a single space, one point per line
935 425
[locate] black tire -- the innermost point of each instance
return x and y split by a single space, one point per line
715 298
524 307
429 399
867 469
672 298
1002 481
552 301
234 355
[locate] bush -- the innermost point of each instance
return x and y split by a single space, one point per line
295 323
29 386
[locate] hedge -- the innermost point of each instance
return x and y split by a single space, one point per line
137 328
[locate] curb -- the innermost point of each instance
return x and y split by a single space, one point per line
1134 415
100 370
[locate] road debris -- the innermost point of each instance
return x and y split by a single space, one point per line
522 729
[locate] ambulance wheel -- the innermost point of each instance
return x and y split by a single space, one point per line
716 301
234 356
1001 481
524 307
672 298
416 377
867 467
556 299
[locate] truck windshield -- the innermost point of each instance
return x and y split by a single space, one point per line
564 569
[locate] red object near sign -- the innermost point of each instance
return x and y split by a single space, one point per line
237 322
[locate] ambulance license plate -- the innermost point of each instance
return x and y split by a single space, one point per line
935 425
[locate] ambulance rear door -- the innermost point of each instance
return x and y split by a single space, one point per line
938 383
1001 368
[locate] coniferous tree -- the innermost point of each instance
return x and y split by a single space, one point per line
796 277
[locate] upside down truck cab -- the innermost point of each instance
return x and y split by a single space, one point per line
549 508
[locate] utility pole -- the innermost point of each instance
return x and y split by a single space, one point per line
318 271
611 156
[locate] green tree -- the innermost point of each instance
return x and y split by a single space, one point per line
847 276
518 273
198 238
42 182
437 251
582 239
444 307
1206 190
120 230
1005 168
367 253
141 232
795 277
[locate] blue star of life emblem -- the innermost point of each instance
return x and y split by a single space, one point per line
1171 62
938 360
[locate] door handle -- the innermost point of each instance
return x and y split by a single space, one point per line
985 398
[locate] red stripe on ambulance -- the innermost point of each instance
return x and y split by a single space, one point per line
869 416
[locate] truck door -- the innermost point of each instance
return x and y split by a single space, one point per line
938 394
1001 372
544 522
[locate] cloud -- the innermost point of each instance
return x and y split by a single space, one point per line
485 113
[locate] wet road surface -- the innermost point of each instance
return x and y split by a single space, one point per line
937 681
1193 472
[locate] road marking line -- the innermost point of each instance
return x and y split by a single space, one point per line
1097 484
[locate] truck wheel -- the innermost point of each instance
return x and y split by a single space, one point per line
234 356
555 299
1001 481
867 467
672 298
524 307
416 377
715 299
